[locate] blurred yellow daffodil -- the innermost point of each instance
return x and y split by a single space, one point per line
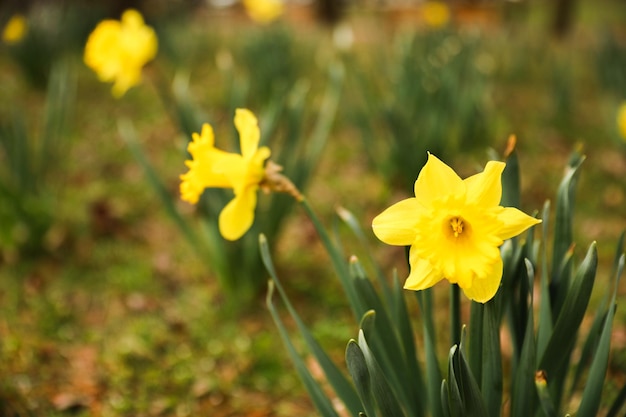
211 167
264 11
118 50
621 121
454 228
15 29
436 14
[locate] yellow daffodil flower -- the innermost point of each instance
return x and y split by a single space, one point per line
211 167
264 11
15 30
621 121
436 14
118 50
454 228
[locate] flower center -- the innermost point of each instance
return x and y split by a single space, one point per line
456 224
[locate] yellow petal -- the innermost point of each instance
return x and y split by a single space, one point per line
422 274
437 179
117 50
249 135
485 188
484 289
238 215
397 224
514 222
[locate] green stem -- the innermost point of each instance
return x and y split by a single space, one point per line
455 311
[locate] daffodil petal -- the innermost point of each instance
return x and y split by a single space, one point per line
238 215
397 224
514 222
422 274
485 188
436 179
249 134
485 288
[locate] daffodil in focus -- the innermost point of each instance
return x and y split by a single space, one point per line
621 121
118 50
264 11
15 29
436 14
454 228
212 167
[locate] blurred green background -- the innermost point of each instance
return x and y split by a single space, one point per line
109 309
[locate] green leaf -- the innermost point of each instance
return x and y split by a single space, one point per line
592 393
563 235
545 400
335 377
445 399
545 326
454 399
618 403
556 356
386 344
491 378
464 385
338 262
382 392
523 389
433 372
360 376
353 224
319 398
127 132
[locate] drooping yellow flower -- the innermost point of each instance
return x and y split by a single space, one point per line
15 29
264 11
436 14
118 50
454 228
211 167
621 121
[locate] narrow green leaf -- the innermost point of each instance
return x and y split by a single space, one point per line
384 395
386 344
433 371
523 388
545 325
338 262
444 399
360 376
618 403
476 338
455 397
473 400
127 132
407 341
545 400
556 356
351 221
592 393
319 398
335 377
563 235
491 376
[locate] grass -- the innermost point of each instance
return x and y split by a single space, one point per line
118 316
